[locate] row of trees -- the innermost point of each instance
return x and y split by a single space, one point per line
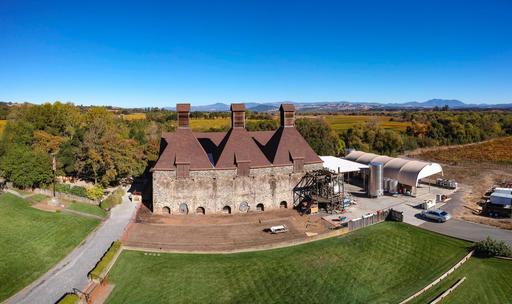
91 144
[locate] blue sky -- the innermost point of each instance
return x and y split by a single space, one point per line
139 54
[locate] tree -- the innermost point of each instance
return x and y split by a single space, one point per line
319 136
26 168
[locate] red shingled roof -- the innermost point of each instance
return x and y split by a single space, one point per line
221 150
182 147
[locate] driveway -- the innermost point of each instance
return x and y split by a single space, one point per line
72 271
468 231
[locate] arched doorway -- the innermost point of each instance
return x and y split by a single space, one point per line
260 207
226 210
183 208
166 210
200 210
283 204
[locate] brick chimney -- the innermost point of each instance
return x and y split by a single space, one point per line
183 110
237 115
287 115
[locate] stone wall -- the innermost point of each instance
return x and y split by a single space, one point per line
215 189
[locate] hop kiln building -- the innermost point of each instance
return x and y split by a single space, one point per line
230 172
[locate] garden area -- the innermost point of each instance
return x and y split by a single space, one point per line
33 241
383 263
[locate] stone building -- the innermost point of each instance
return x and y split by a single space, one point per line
230 172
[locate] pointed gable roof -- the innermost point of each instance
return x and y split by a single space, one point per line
181 147
285 145
238 146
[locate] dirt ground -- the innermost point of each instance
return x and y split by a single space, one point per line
52 208
475 179
192 232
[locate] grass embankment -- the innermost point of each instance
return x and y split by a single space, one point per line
22 192
383 263
114 199
33 241
487 281
69 299
87 208
105 260
38 197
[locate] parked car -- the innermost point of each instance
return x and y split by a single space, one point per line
278 229
436 215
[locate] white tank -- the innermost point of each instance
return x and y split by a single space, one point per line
375 188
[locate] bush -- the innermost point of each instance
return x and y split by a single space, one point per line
491 248
114 199
69 298
95 192
105 260
75 190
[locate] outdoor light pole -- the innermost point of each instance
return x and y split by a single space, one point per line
54 168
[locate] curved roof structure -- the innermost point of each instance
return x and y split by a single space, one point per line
366 158
354 155
405 171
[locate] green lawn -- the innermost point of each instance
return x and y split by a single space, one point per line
383 263
33 241
487 281
38 197
87 208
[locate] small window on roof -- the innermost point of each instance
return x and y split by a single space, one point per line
210 157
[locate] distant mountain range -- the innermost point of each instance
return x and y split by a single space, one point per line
343 106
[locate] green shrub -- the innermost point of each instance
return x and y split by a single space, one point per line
105 260
69 298
95 192
114 199
491 248
75 190
58 211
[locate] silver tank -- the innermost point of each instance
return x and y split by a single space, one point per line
393 186
375 188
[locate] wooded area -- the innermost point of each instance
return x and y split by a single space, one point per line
96 144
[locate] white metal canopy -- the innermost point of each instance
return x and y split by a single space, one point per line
333 163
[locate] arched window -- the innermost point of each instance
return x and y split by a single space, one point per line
244 207
183 208
260 207
166 210
200 210
283 204
226 210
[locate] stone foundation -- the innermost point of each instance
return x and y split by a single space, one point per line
218 190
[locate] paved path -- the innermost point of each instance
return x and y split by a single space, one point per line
72 271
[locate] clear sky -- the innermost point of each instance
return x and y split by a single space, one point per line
139 54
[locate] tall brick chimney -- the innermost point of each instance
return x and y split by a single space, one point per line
183 110
287 115
237 115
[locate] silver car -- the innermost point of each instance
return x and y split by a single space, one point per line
436 215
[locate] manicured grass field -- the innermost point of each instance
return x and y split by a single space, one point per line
383 263
33 241
344 122
38 197
87 208
487 281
